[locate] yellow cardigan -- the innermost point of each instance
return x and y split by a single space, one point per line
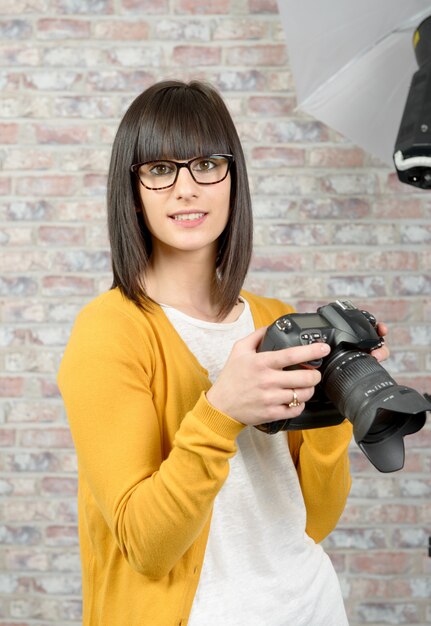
152 456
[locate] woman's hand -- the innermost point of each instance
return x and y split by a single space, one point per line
381 353
254 388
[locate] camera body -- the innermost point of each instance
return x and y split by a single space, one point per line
354 385
338 323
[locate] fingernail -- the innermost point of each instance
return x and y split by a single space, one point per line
325 348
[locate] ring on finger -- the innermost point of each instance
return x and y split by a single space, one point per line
295 400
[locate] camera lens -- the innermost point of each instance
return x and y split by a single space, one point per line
381 411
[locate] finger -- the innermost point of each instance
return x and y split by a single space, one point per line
284 397
382 329
299 396
381 353
296 378
283 411
287 357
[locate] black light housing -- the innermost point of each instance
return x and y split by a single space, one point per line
412 152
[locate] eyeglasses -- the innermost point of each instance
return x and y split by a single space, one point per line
162 174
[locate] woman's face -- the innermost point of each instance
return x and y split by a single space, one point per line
187 216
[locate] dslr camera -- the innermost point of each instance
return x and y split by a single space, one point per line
353 386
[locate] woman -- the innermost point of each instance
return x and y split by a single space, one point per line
187 514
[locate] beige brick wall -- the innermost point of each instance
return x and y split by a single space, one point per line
330 222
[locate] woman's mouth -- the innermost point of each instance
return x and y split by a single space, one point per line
188 217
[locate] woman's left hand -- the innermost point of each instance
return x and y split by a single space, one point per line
381 353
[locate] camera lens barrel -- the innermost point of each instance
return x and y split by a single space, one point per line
352 380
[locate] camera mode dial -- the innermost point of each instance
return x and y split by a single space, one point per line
284 324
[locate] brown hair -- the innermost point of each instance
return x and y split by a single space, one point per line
177 120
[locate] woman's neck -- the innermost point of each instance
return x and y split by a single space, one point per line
185 282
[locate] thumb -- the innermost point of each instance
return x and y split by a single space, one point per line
251 342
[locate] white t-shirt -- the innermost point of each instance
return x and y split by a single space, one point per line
260 567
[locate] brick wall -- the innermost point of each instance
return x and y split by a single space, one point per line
330 222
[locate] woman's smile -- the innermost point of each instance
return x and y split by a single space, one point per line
189 219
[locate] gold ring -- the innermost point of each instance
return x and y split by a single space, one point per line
295 400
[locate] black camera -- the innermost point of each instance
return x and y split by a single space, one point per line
353 386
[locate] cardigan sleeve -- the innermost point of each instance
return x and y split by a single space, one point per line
155 507
322 463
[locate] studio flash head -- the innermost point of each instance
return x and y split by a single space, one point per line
412 152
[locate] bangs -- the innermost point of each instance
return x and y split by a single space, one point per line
180 124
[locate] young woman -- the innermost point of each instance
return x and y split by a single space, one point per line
188 514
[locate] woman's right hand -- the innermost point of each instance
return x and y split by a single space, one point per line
254 388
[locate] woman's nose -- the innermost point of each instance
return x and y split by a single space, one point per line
185 185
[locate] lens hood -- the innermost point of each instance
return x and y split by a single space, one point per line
401 413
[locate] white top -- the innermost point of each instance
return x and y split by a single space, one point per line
260 567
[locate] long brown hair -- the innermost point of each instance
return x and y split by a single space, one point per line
172 119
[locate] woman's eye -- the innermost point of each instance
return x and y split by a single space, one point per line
205 165
161 169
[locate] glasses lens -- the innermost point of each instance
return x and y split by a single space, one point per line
209 170
157 174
